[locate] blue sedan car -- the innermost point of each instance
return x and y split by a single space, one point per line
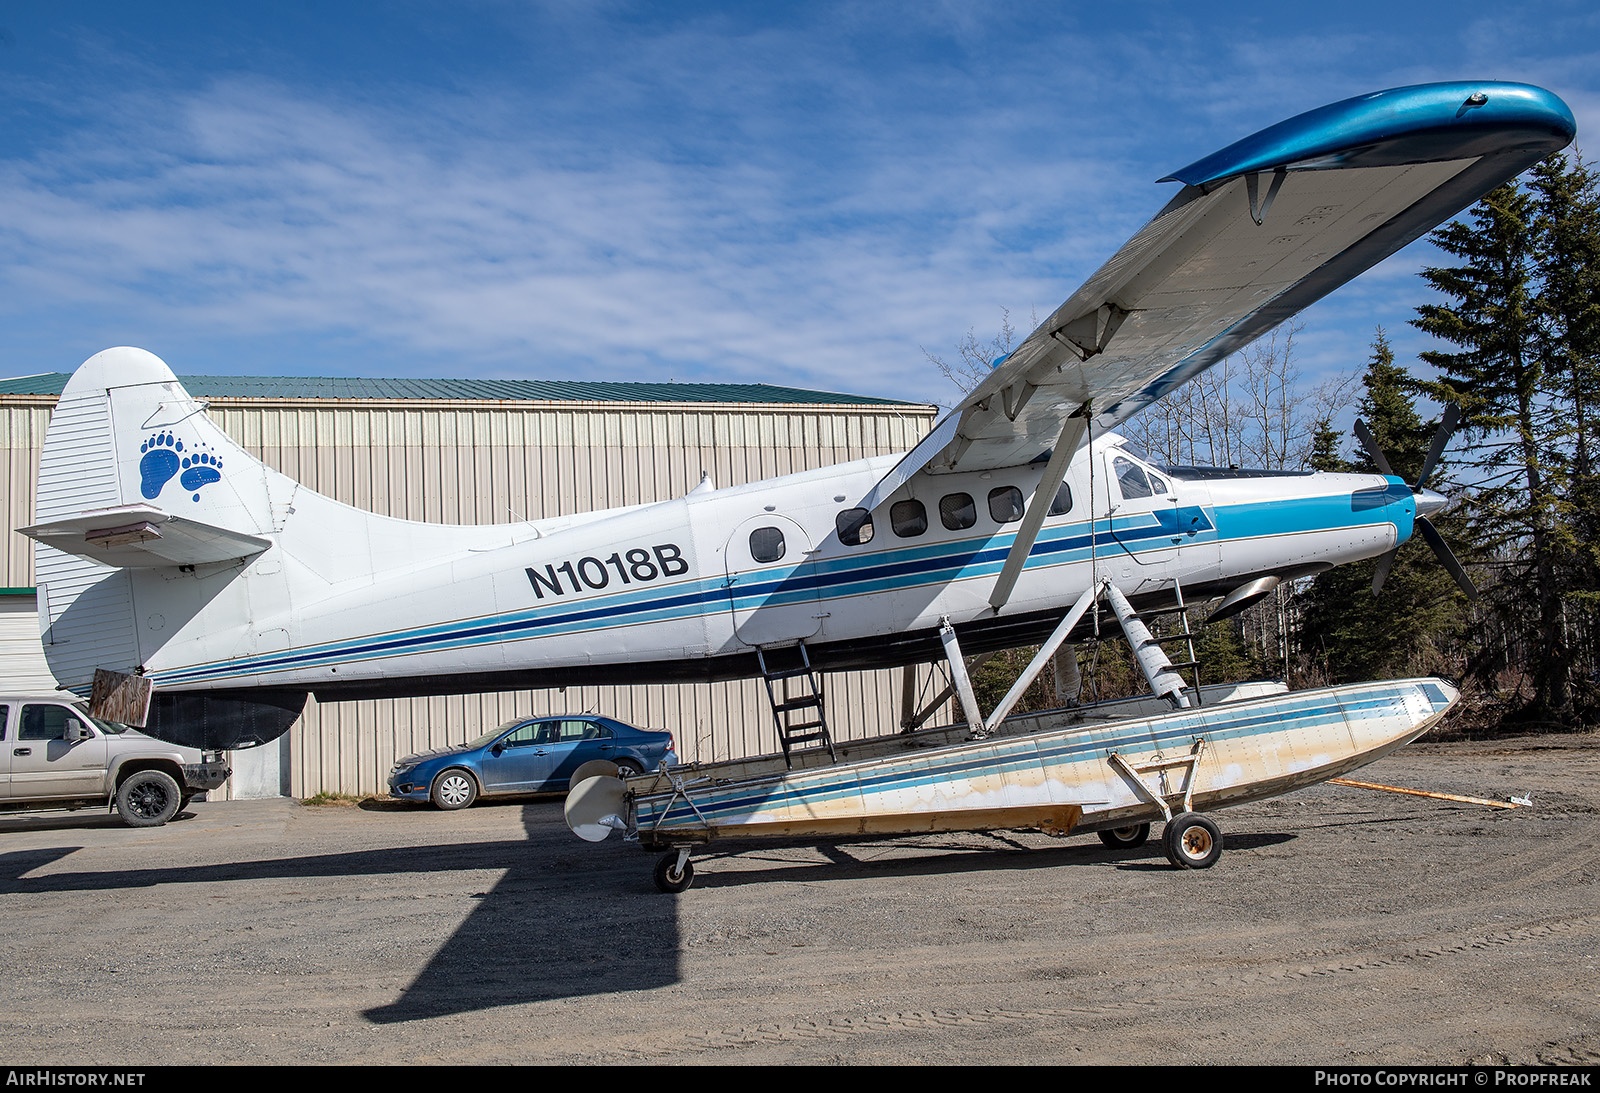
528 755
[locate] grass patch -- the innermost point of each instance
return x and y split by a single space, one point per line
335 800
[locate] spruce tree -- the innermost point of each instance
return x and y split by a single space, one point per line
1498 378
1411 625
1567 199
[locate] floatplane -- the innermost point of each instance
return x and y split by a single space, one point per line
202 595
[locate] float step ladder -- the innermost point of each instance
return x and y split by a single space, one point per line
796 697
1186 636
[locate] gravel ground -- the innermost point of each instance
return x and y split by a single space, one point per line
1341 926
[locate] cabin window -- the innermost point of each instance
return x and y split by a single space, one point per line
766 544
957 511
1005 504
908 518
1157 484
854 526
1130 478
5 714
1063 501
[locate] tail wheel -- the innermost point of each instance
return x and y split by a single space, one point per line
1192 841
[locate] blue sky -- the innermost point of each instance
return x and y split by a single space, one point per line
806 194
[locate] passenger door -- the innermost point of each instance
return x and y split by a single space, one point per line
772 590
577 741
45 764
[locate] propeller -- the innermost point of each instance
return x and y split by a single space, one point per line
1427 501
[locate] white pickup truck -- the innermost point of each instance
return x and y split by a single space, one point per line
57 756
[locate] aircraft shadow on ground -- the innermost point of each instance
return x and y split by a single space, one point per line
568 921
559 922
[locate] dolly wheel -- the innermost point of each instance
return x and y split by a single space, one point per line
1125 838
1192 841
672 877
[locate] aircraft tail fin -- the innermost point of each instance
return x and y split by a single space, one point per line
134 477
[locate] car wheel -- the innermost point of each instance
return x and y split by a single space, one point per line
627 768
454 789
147 798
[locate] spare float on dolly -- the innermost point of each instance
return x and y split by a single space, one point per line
1065 771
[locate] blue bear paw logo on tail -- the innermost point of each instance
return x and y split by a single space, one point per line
202 469
164 457
161 461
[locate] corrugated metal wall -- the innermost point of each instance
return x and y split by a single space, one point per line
487 462
22 426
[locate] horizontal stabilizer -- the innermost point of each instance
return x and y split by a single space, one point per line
144 537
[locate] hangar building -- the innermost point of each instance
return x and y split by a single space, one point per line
489 451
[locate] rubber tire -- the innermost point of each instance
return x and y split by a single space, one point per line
459 798
1125 838
627 768
1192 841
668 879
148 798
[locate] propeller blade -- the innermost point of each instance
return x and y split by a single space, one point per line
1441 437
1381 574
1436 541
1372 449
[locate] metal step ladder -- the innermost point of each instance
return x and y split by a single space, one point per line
797 712
1186 635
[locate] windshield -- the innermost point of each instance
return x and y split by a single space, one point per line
488 738
112 728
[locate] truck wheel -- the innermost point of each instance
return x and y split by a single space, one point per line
147 798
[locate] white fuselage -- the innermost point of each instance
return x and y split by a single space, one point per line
348 604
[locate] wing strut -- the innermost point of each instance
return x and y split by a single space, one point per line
1054 471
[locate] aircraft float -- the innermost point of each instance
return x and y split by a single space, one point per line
210 594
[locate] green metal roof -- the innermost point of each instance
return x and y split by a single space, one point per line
339 387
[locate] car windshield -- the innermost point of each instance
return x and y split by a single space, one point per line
489 737
114 728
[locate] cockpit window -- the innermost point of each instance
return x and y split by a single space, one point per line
1130 478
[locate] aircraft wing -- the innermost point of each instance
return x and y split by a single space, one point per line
1259 231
